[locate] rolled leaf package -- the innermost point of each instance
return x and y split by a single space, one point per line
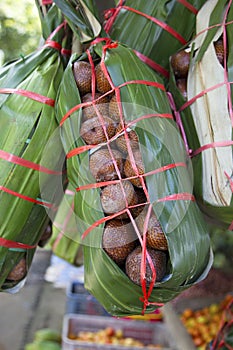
144 238
31 154
200 83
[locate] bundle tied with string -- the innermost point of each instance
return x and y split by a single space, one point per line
143 236
154 29
200 83
31 154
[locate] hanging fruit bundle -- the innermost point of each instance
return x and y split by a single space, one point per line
154 29
200 83
65 239
31 154
144 238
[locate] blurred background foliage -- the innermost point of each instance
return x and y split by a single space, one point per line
19 29
222 242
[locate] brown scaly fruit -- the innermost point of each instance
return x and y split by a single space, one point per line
19 271
102 166
141 200
133 265
129 170
219 49
180 64
101 105
155 237
113 198
114 109
82 75
102 82
119 239
92 130
121 141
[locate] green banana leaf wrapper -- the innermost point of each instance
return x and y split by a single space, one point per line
142 95
142 25
155 29
65 240
31 154
205 111
82 17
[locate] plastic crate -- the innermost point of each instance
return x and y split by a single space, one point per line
146 332
80 301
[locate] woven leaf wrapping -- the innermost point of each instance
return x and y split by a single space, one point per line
167 182
206 115
30 160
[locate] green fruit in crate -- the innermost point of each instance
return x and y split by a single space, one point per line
43 345
47 334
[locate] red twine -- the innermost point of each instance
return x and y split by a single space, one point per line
188 103
189 6
155 66
17 245
127 210
29 94
9 157
177 113
54 44
20 161
47 2
26 198
111 15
